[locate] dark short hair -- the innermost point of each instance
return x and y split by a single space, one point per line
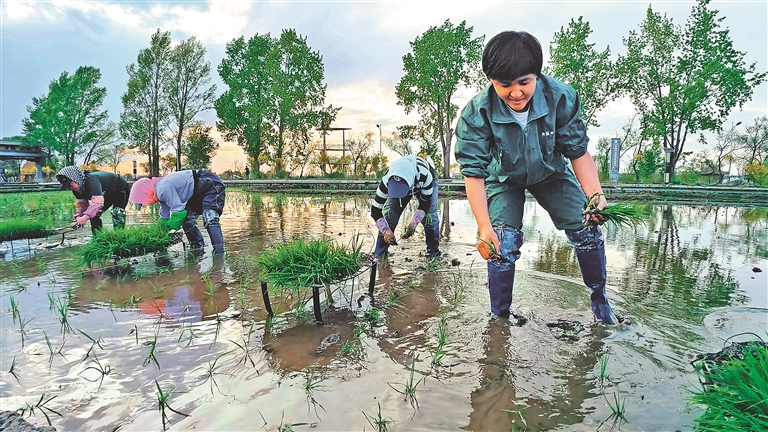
510 55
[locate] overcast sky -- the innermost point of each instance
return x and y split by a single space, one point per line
362 44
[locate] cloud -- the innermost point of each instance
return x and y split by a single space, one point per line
19 9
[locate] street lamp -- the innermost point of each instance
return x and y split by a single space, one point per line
379 126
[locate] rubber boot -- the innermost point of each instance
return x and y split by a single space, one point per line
590 252
118 218
96 224
211 222
193 233
501 271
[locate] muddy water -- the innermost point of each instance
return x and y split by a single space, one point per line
197 326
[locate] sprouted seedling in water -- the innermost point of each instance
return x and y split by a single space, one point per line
101 369
162 404
23 329
379 423
442 338
603 366
312 384
62 307
522 420
94 343
41 406
210 371
409 388
618 411
53 351
14 309
432 265
151 357
12 370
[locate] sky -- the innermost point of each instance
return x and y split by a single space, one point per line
362 44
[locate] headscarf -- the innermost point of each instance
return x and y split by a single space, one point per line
143 191
69 174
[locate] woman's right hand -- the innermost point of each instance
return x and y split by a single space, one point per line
488 237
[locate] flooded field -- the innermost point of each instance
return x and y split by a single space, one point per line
181 342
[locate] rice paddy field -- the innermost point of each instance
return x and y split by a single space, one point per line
180 341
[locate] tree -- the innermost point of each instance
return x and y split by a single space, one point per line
443 59
199 147
167 163
302 146
145 103
111 155
68 120
684 80
602 158
186 89
754 141
242 108
578 64
359 145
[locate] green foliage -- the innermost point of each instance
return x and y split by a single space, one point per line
738 396
620 214
199 147
68 120
301 263
275 96
578 64
145 104
443 59
684 80
21 228
757 173
126 242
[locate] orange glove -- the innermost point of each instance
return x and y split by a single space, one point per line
487 251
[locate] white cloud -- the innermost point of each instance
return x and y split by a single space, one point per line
18 9
364 104
222 22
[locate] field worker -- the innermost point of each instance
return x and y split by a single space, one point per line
408 176
516 135
183 196
95 192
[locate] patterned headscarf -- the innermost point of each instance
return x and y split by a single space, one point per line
71 173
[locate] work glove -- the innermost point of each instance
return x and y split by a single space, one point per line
79 222
176 219
384 229
411 228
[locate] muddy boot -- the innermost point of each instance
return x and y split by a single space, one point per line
118 218
211 222
193 233
501 271
96 224
590 252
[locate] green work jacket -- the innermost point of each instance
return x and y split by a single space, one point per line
492 145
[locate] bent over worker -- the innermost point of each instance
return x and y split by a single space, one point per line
407 177
95 192
183 196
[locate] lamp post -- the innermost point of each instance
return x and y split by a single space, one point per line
379 126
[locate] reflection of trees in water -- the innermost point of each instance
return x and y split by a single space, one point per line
756 230
554 255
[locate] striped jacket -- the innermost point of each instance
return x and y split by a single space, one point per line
422 187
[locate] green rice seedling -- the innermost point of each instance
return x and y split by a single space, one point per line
269 324
618 410
135 331
40 406
151 356
300 263
102 369
303 314
127 242
457 292
603 366
157 289
737 397
12 370
53 351
246 352
522 420
350 347
410 387
621 214
15 229
51 300
312 383
210 286
14 308
393 298
23 329
372 318
210 371
432 265
94 343
162 404
185 280
62 309
138 274
442 339
379 423
288 427
70 292
192 336
133 300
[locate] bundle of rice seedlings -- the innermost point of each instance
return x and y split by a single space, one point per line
735 393
620 214
299 263
16 229
128 242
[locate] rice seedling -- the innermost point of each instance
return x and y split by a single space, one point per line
350 347
618 411
209 372
23 329
300 264
151 356
522 420
70 292
185 280
12 370
210 286
620 214
62 308
135 331
192 336
102 369
410 387
162 404
393 299
51 300
14 308
457 292
371 319
603 366
133 300
53 351
312 383
42 266
15 229
40 406
442 338
735 395
432 265
303 314
288 427
379 423
127 242
246 352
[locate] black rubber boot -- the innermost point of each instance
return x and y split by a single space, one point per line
590 252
